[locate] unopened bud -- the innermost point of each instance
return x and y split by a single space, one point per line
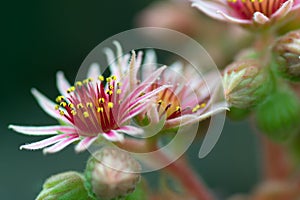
279 115
245 83
68 185
287 50
112 173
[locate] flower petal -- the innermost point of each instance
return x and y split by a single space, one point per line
85 143
94 71
42 130
62 84
46 142
47 105
192 118
60 145
284 9
149 64
130 130
260 18
113 136
231 19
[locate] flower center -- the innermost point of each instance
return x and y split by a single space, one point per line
246 8
170 102
91 107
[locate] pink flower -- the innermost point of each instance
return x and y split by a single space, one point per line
189 100
247 11
91 110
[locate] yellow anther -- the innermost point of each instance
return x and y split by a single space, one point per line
79 106
89 105
71 89
56 107
142 94
78 84
160 102
119 91
110 104
197 107
113 77
203 105
85 81
178 108
109 92
101 78
59 99
61 112
73 112
108 79
63 104
119 84
111 87
71 105
99 109
90 79
101 100
86 114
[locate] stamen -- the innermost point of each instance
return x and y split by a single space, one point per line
89 105
101 78
110 104
79 106
71 89
86 114
59 99
78 84
63 104
101 100
100 109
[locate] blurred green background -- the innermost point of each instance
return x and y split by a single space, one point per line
41 37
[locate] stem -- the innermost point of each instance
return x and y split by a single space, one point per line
276 162
189 180
179 168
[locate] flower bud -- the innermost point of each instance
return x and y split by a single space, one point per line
245 84
287 50
112 173
68 185
278 116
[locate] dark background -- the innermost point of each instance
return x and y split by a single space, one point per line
41 37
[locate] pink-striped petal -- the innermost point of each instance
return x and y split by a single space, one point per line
284 9
130 130
62 84
192 118
60 145
85 143
231 19
47 105
113 136
46 142
42 130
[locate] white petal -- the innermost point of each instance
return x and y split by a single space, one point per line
260 18
46 142
62 84
47 105
60 145
42 130
84 144
94 71
149 64
130 130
